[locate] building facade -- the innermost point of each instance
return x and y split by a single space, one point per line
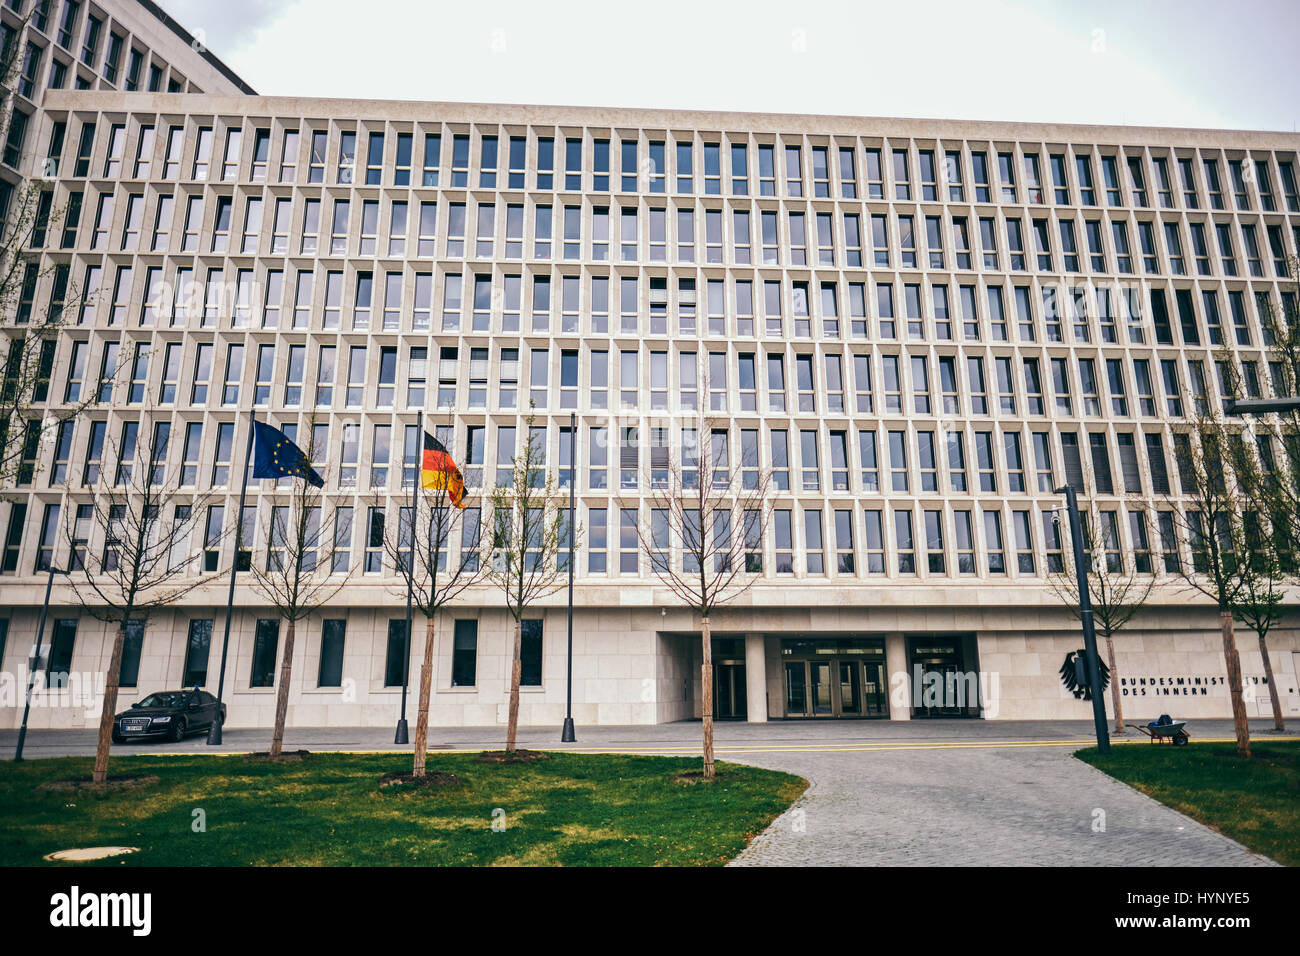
918 329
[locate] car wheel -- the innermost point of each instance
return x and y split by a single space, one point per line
177 730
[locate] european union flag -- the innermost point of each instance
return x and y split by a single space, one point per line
274 456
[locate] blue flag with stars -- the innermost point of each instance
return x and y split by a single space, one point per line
274 456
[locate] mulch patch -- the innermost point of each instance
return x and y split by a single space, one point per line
432 780
510 756
285 756
130 781
692 777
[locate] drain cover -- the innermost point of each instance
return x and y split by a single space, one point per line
82 854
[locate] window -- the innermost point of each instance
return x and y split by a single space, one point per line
985 463
265 641
464 654
978 390
1015 463
993 542
396 654
59 663
530 653
1101 473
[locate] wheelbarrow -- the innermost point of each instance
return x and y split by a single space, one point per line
1161 733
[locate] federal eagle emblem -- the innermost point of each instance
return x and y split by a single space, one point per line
1074 674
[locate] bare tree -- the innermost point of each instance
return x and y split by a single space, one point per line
1215 476
717 516
299 575
149 554
529 534
1259 606
436 575
1275 490
1118 591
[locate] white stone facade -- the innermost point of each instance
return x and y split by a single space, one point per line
921 327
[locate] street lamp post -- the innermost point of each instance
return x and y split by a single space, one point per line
36 657
566 733
1085 614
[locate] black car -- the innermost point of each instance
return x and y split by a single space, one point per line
169 713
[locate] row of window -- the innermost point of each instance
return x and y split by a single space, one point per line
660 234
859 538
960 457
699 165
362 300
266 639
328 375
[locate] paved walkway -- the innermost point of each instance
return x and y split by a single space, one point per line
1014 806
915 793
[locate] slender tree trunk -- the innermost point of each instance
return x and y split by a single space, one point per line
1114 685
1233 661
282 694
1278 722
109 710
426 689
706 678
512 726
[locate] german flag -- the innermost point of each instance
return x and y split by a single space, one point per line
438 470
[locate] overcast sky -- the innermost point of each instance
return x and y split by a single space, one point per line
1139 62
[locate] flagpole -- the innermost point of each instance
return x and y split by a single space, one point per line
214 731
402 735
566 732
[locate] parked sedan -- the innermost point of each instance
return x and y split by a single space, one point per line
170 713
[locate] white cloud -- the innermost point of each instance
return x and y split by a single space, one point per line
1154 63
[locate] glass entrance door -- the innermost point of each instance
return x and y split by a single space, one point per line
874 691
819 682
796 689
729 691
850 688
945 688
835 676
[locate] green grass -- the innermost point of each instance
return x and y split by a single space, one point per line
1255 802
570 810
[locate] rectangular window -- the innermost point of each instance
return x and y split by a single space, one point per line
530 653
464 654
265 641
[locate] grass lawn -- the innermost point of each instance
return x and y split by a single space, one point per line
1255 802
569 809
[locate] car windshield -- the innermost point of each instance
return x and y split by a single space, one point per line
163 700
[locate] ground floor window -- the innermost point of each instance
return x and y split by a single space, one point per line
64 637
331 654
395 656
265 641
132 646
464 654
530 654
4 637
197 649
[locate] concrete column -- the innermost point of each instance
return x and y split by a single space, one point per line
755 679
896 663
